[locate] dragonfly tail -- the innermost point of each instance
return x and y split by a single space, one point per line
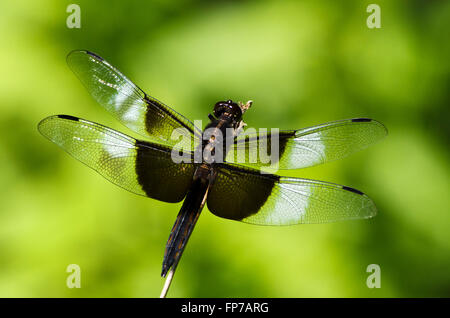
184 224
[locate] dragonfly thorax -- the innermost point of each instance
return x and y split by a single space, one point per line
217 137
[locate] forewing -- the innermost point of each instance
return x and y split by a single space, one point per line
140 167
129 104
244 194
302 148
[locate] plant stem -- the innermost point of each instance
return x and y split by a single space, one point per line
167 283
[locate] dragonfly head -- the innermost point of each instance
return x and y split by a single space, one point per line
228 108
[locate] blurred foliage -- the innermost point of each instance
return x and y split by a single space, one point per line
303 63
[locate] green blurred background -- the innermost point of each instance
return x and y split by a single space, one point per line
303 63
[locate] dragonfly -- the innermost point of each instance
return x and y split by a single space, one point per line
236 191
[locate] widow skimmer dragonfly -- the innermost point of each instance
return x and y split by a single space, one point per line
230 190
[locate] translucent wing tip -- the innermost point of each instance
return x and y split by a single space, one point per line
368 209
382 127
42 125
74 57
383 131
46 125
74 53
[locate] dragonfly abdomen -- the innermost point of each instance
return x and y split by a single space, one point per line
185 222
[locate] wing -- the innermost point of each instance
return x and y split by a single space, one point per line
140 167
244 194
302 148
128 103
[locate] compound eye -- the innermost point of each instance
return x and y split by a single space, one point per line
220 104
219 107
230 107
